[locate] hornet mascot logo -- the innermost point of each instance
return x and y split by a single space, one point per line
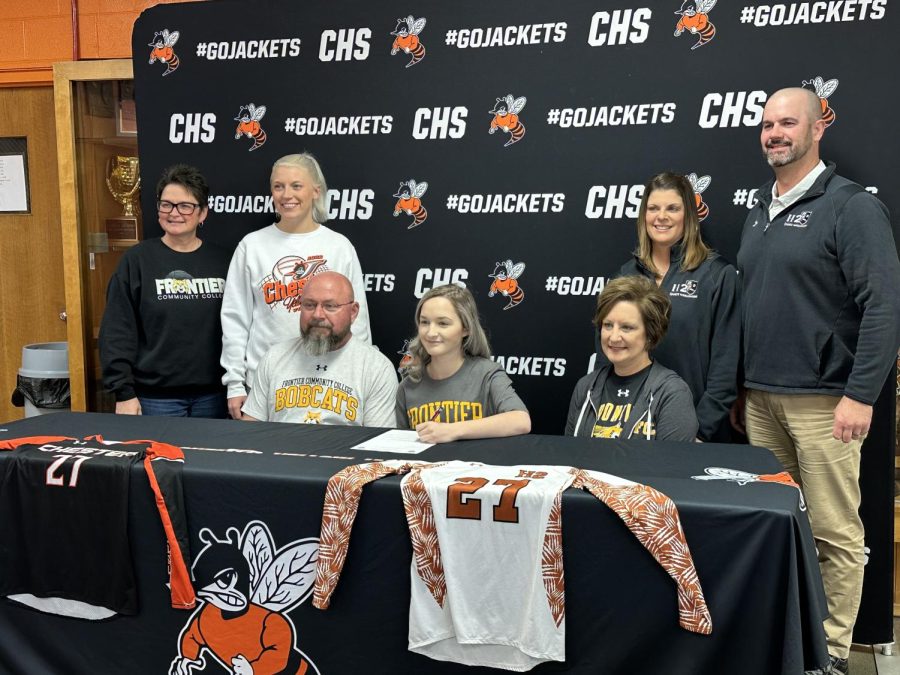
823 90
405 357
248 588
699 185
409 200
743 477
162 51
248 125
407 39
506 118
504 276
695 19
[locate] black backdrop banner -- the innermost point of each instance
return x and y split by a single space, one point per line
526 132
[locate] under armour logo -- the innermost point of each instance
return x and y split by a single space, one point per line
319 366
623 392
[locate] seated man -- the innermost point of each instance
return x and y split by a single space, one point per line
324 376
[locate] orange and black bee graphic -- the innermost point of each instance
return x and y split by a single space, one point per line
248 125
699 185
506 118
695 19
162 44
505 282
405 357
823 90
407 39
409 201
248 587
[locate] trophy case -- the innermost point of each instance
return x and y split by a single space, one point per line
99 204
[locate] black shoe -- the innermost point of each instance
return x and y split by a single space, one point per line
839 666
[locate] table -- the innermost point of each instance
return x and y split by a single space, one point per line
751 545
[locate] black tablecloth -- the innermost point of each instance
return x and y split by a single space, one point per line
751 544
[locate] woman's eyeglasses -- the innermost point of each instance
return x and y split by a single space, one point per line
184 208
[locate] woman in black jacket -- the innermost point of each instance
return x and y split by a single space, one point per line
703 341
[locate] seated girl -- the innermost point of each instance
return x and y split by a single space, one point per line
451 390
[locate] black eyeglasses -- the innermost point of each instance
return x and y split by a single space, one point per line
184 208
329 307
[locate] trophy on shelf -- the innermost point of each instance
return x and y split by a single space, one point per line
123 179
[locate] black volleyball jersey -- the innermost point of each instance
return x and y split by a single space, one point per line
64 544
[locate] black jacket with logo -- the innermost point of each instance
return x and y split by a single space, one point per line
702 344
821 292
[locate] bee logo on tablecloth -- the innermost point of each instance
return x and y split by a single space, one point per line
409 201
247 587
744 477
823 90
406 39
248 124
162 51
695 19
506 118
699 184
505 276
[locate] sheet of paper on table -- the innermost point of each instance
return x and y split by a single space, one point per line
403 441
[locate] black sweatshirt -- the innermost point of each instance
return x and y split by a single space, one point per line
821 293
702 344
161 335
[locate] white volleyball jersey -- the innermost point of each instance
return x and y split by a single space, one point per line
487 569
490 523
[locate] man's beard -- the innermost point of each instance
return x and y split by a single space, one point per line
316 343
795 151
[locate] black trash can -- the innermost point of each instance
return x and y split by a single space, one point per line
42 385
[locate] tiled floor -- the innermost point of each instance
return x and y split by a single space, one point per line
884 665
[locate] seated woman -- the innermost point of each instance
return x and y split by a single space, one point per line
451 390
632 396
160 331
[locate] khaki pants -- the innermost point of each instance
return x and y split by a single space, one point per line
797 429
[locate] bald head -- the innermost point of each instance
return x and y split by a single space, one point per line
792 127
802 99
334 284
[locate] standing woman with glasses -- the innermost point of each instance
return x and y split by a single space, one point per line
271 266
160 334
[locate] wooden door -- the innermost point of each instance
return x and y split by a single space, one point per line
87 96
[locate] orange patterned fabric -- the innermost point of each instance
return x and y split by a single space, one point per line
341 503
552 562
423 533
653 518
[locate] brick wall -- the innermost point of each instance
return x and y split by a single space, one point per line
36 33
